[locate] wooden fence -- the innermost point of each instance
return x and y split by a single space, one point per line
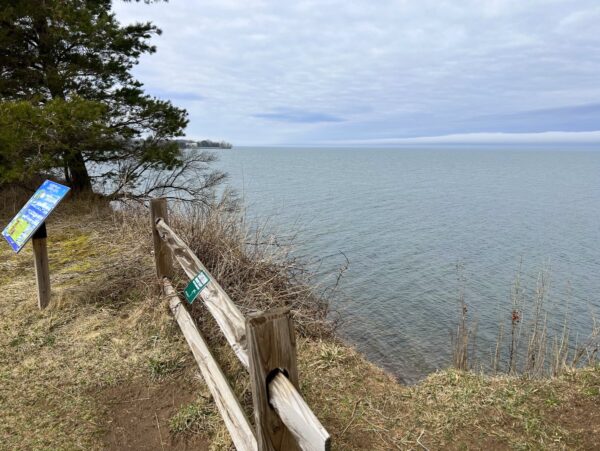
264 343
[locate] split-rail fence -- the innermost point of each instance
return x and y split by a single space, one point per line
264 342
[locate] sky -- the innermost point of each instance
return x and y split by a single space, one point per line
378 72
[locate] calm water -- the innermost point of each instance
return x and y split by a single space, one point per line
406 218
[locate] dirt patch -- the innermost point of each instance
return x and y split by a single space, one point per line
581 417
138 416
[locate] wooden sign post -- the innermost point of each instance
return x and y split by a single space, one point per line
30 224
40 258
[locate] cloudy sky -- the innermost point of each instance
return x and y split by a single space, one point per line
304 72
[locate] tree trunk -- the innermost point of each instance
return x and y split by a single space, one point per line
79 178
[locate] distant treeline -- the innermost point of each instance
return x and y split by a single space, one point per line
189 144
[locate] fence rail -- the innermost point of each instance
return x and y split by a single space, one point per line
228 405
264 343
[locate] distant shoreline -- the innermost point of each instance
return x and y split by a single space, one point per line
204 144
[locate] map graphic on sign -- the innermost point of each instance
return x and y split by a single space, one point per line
33 214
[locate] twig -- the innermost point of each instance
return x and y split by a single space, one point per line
419 440
380 432
129 400
351 418
159 433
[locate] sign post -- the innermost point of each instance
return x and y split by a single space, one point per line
40 258
30 223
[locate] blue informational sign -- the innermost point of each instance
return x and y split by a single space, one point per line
33 214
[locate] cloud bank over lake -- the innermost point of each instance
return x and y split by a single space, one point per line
544 138
309 72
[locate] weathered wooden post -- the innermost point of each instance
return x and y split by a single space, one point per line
40 258
162 253
271 351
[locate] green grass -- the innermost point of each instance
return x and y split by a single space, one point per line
198 417
161 367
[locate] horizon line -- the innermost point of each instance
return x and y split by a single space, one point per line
478 138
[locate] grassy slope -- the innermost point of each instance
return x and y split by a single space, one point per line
106 367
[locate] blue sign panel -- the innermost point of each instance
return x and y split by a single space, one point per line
33 214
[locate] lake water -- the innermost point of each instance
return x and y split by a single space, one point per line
406 218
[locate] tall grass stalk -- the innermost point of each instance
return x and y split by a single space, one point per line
517 300
464 339
537 342
536 345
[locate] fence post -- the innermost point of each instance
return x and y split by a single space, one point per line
162 254
271 351
42 273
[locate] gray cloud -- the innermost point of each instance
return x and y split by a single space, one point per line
394 68
297 116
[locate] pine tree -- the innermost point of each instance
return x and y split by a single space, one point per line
70 102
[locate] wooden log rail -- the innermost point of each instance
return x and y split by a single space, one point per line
228 405
297 415
271 360
218 303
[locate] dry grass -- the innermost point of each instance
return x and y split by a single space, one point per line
63 370
464 340
537 341
254 267
105 326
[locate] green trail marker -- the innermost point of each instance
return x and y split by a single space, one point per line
195 286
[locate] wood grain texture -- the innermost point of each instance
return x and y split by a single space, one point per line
162 253
42 271
297 415
272 348
225 399
222 308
